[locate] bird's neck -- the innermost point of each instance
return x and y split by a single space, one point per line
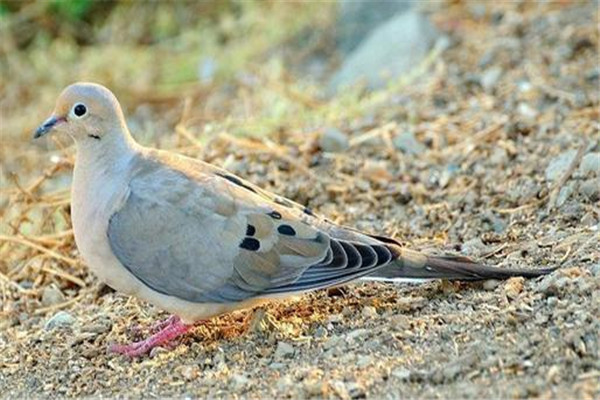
100 178
107 157
110 150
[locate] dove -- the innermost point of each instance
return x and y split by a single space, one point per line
197 241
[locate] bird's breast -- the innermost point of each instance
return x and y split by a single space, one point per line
94 199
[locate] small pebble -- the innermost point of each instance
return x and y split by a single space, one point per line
553 374
357 333
490 78
564 193
363 361
552 301
474 247
284 383
52 296
399 322
320 332
313 388
369 312
591 189
355 390
491 284
277 365
525 86
553 284
452 371
559 165
335 318
239 381
487 58
189 372
340 389
97 328
527 111
333 140
408 143
401 373
593 74
499 156
590 164
60 319
284 350
332 342
411 303
588 220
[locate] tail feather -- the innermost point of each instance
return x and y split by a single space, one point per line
414 265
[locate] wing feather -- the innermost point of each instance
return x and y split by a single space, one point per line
189 231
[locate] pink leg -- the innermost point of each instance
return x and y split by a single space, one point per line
170 329
160 325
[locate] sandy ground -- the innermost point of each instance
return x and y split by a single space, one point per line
506 170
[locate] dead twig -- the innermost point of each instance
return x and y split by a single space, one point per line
24 242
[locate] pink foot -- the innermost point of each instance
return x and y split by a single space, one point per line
169 330
160 325
154 328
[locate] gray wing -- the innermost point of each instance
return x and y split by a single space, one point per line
205 238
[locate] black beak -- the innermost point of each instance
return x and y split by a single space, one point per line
47 126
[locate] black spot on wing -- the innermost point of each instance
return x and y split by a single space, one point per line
237 181
308 211
274 215
250 230
250 244
286 230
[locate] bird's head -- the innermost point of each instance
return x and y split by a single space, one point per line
85 111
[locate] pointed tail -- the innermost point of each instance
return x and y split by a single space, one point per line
414 265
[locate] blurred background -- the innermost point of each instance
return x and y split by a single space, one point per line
458 125
189 72
248 67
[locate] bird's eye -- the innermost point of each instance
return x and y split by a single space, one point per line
79 110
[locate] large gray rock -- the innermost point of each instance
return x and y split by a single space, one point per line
357 18
389 51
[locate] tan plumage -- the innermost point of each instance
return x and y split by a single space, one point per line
197 241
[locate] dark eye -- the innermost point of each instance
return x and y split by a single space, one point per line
79 110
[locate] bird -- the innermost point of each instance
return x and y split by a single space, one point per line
198 241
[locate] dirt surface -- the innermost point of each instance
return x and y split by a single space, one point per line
503 167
